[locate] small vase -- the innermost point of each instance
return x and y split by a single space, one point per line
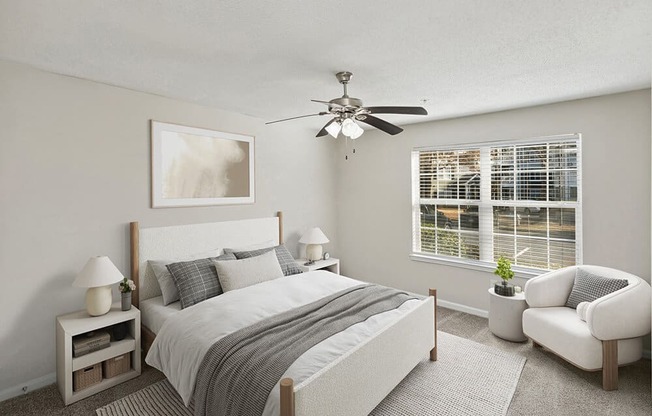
126 301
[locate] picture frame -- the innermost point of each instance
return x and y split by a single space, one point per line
194 166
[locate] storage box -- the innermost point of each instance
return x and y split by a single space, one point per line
117 365
86 377
92 341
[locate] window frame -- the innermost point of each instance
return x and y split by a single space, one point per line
486 147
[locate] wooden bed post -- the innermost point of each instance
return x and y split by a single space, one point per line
287 397
134 233
279 214
433 352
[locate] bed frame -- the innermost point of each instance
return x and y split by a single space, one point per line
332 390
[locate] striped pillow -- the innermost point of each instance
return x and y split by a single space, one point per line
196 280
589 287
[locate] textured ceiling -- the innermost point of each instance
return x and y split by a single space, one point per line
268 59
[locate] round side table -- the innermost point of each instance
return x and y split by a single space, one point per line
505 316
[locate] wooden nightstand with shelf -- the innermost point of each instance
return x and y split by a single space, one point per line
331 265
77 323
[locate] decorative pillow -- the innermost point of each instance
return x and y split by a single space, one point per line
581 310
165 281
285 259
589 287
246 272
196 280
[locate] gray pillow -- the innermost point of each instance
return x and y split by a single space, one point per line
589 287
196 280
238 274
285 259
165 280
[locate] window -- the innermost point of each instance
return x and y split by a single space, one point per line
519 199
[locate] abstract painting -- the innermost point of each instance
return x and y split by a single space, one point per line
195 167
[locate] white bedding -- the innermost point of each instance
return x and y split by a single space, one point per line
153 313
186 336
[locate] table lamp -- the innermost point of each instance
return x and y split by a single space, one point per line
98 275
314 238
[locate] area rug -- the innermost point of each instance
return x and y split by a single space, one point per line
468 379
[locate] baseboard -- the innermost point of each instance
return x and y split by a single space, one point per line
463 308
28 386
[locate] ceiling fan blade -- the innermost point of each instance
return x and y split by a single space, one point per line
388 128
326 102
294 118
323 131
419 111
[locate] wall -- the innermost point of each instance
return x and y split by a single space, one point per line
374 185
75 169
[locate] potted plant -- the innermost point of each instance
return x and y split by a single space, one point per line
504 270
126 287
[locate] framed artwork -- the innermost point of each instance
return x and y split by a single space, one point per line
198 167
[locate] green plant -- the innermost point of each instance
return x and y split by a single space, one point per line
504 269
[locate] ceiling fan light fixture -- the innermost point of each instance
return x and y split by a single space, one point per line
349 127
334 128
357 132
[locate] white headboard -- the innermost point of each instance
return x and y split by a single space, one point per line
179 241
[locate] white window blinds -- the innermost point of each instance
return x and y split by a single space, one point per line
517 199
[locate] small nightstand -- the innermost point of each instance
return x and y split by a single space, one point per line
81 322
331 265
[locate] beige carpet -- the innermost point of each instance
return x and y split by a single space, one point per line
462 382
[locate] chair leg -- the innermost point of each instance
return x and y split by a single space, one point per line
610 365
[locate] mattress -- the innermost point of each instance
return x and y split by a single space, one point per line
153 313
183 341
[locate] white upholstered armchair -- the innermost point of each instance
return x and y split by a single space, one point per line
601 334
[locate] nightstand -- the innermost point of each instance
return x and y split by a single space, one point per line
331 265
81 322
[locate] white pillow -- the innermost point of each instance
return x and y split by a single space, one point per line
236 274
165 281
581 310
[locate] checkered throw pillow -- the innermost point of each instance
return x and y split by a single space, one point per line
285 259
589 287
196 280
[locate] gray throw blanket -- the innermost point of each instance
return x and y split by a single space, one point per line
240 370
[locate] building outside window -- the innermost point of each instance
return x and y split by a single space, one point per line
519 199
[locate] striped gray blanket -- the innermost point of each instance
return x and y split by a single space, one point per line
240 370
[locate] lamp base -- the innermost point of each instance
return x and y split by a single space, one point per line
314 252
98 300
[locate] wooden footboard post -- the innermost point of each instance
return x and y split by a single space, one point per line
287 397
433 352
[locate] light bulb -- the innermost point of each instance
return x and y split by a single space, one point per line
357 132
348 127
334 128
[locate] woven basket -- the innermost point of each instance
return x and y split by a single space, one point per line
86 377
117 365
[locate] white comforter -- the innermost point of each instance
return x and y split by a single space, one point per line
184 339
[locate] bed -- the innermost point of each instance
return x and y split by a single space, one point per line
358 375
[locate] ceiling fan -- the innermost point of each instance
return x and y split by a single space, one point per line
346 111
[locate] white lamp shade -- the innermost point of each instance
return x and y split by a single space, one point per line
98 271
357 132
314 236
348 127
334 129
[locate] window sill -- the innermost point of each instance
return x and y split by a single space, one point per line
475 265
